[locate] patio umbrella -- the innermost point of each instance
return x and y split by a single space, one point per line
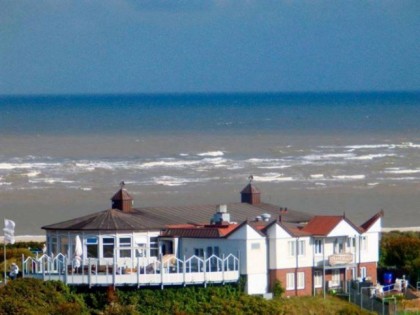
78 252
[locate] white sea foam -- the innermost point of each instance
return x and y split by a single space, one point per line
33 173
348 177
50 180
403 145
211 153
330 156
177 181
401 171
369 146
169 163
370 156
317 176
272 177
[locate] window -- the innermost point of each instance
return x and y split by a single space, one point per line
335 279
363 272
125 247
154 247
290 281
92 247
108 247
209 251
64 245
338 246
216 251
199 252
318 246
292 248
302 248
53 245
351 242
301 280
318 279
364 243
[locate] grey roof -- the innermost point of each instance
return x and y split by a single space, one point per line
156 218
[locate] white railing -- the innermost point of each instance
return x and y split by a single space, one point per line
168 270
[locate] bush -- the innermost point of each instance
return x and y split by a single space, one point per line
32 296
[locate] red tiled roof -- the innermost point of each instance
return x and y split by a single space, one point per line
366 226
322 225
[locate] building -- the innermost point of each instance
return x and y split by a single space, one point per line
210 244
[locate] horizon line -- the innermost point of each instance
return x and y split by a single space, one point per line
213 93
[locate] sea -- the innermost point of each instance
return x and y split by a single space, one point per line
65 156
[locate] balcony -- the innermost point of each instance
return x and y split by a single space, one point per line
134 272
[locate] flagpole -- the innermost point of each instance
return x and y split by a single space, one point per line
5 261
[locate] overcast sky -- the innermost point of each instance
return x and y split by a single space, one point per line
154 46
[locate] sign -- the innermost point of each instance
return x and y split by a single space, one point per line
340 259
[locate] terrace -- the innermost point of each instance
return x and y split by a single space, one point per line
166 271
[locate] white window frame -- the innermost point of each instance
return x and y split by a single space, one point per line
292 248
363 272
338 246
302 248
290 281
301 280
124 247
364 243
335 277
318 247
318 279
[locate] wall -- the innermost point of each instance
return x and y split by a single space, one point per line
281 274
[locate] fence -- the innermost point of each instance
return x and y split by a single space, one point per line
366 296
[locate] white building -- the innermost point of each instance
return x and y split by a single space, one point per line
155 246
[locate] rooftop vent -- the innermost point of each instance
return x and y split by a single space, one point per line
221 215
221 208
266 217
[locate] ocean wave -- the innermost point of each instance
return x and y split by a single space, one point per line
32 173
51 180
177 181
401 171
348 177
13 166
328 156
317 176
273 177
211 153
168 163
370 156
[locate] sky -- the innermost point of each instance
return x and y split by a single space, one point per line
205 46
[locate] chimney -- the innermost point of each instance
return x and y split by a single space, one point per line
122 200
251 194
